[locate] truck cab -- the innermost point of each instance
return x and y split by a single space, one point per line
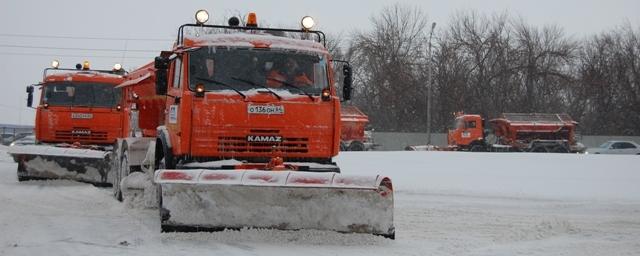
468 130
244 95
78 119
79 106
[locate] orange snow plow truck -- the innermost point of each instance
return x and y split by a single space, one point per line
78 118
236 127
515 132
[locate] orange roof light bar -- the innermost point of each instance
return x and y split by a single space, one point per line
252 20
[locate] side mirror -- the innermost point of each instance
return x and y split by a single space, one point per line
347 83
29 95
162 65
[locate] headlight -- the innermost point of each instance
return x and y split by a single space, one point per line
307 22
202 16
55 64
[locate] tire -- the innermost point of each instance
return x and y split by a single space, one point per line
356 146
560 149
166 160
343 147
123 170
21 170
477 148
539 149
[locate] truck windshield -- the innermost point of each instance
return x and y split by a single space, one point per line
78 94
246 69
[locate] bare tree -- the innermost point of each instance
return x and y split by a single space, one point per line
609 88
390 74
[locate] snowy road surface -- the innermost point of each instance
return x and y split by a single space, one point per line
446 204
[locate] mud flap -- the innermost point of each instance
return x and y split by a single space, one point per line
209 200
50 162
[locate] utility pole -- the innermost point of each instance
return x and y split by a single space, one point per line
429 75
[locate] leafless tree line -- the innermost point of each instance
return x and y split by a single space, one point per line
490 65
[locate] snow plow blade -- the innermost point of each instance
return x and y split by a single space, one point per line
36 162
213 200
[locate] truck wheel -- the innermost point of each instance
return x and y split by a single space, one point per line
122 172
356 146
560 149
343 147
539 149
166 161
477 148
21 169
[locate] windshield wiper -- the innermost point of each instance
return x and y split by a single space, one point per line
292 86
223 84
256 84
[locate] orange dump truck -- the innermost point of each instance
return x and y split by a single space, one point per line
78 119
224 144
515 132
354 136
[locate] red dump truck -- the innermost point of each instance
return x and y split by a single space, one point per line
353 134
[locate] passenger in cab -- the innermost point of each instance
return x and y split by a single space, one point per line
290 73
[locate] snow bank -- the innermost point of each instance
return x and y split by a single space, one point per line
440 209
557 176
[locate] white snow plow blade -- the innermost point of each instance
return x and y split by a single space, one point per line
51 162
210 200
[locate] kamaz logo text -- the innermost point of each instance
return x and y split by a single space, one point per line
81 132
264 138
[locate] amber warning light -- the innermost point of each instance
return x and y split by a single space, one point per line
252 20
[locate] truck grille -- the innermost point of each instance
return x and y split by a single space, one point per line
240 144
70 135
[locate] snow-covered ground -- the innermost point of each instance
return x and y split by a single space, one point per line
447 203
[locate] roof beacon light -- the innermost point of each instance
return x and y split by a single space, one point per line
252 20
85 65
202 16
55 64
307 22
117 67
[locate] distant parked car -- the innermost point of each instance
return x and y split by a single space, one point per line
27 140
617 147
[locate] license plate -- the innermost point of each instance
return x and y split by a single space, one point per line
81 115
266 109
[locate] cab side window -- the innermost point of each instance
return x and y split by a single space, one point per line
471 124
177 72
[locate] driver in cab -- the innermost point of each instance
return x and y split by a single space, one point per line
288 73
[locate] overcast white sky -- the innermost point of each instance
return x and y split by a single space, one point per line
159 19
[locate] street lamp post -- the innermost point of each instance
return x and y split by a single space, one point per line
429 75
